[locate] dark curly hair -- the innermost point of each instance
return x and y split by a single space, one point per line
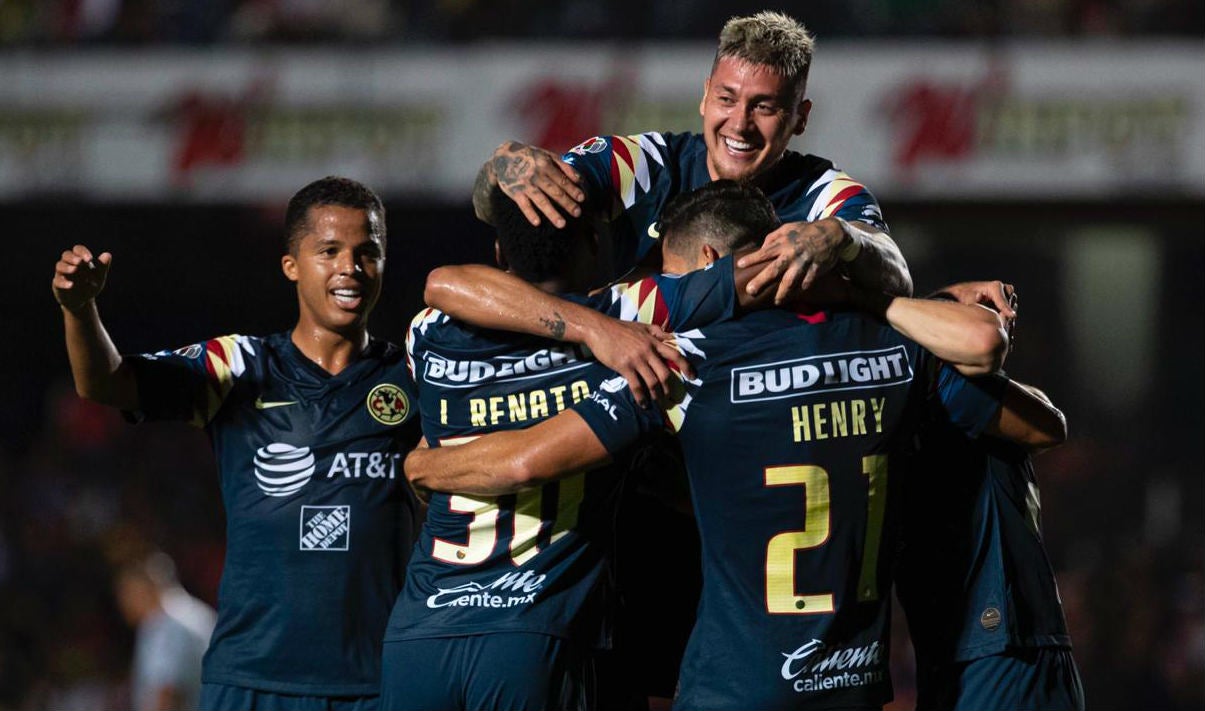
331 190
534 253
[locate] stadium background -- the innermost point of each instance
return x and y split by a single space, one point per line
1058 145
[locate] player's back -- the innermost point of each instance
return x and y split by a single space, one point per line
789 432
974 578
525 562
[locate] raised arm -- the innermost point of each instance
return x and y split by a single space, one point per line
505 462
491 298
969 337
1028 418
536 179
797 253
97 367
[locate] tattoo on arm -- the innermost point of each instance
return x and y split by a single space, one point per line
880 266
555 325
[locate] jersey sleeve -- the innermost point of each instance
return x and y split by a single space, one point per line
618 169
416 338
838 195
190 383
971 403
674 302
615 418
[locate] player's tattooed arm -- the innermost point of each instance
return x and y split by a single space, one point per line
505 462
798 253
539 182
555 325
491 298
99 371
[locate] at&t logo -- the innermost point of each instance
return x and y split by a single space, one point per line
282 469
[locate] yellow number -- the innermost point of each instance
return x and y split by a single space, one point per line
528 521
875 469
483 531
781 598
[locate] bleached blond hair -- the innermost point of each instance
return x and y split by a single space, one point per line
771 39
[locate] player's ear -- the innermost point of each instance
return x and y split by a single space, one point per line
710 254
288 265
801 121
703 101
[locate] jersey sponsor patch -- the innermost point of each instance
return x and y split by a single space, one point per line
815 667
388 404
282 469
325 528
823 373
449 373
508 590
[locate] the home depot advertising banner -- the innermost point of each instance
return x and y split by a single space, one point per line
1044 121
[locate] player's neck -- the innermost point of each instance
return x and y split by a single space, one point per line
332 351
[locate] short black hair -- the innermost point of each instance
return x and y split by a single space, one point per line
331 190
725 214
534 252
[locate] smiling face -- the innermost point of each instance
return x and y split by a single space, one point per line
750 112
337 265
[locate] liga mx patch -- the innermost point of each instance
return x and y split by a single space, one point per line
325 528
598 144
388 404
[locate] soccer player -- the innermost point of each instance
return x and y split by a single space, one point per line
974 581
754 102
309 427
790 430
506 598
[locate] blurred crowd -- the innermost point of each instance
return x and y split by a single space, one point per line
55 23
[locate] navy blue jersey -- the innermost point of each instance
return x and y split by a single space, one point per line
789 433
532 561
974 578
631 178
319 518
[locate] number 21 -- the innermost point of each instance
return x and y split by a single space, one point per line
781 597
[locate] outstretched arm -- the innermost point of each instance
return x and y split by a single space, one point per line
1028 418
491 298
97 367
797 253
968 337
505 462
536 179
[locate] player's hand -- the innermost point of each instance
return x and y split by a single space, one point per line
999 296
639 352
538 181
796 254
78 277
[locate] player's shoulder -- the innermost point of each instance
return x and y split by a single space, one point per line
648 150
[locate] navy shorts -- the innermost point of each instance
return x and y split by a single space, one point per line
220 697
1041 679
511 671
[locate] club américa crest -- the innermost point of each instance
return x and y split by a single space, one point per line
388 404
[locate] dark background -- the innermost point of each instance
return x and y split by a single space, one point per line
1123 499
